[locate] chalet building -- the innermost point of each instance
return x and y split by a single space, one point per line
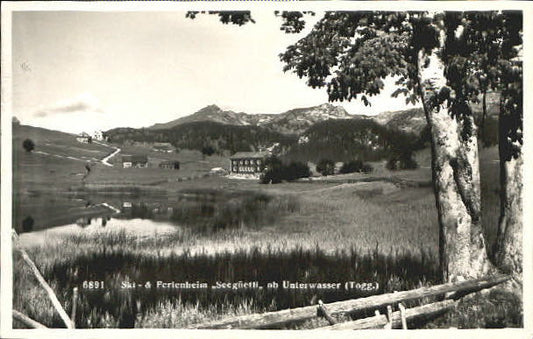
171 164
84 137
248 162
135 161
98 135
163 147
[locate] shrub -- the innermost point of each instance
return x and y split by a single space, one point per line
28 145
276 171
356 166
325 167
272 162
296 170
271 176
351 166
401 162
367 168
208 150
272 171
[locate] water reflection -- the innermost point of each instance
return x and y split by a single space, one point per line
86 221
137 228
200 210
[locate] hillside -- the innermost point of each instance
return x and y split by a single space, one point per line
213 113
55 143
195 135
323 131
294 121
348 139
413 120
300 119
409 120
56 162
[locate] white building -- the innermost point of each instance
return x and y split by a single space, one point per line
98 135
248 162
84 137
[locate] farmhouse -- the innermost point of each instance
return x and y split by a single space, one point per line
84 137
248 162
170 164
137 161
98 135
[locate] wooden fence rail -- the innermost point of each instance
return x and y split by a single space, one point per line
27 320
395 319
279 318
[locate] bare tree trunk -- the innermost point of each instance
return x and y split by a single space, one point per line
483 117
455 166
508 252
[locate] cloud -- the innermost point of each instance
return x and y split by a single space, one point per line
82 103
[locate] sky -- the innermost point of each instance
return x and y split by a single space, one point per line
77 71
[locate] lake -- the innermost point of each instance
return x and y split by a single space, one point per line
200 211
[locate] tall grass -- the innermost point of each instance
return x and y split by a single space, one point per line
118 307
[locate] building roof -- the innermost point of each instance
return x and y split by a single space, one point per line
134 158
244 155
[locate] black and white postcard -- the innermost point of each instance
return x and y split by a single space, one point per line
319 168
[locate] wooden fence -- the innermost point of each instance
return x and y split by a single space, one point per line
281 318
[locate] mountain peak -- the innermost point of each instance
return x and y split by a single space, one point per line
293 121
330 109
210 108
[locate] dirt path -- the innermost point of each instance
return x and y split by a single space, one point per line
57 155
106 159
111 207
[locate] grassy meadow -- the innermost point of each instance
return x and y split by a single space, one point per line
192 164
379 228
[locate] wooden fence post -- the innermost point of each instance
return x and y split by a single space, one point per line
322 310
388 325
395 320
44 284
74 301
402 315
